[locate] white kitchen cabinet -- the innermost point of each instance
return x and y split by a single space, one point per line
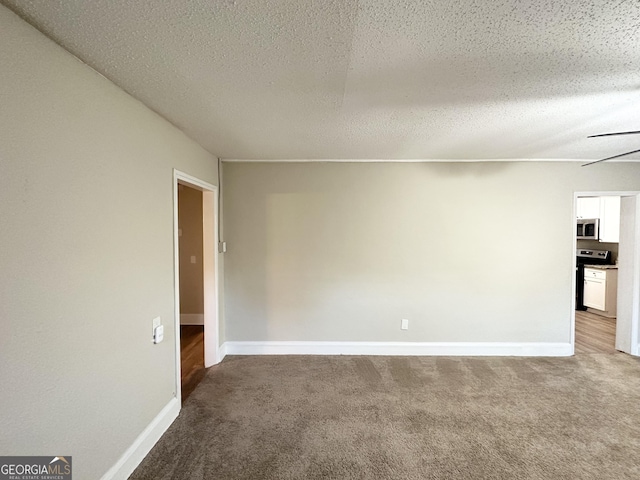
595 288
607 209
588 207
600 290
609 219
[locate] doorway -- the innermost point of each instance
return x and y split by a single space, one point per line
195 280
608 321
191 275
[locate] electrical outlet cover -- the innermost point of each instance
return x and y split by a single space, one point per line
158 334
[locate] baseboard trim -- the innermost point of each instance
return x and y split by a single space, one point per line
222 352
400 348
142 445
192 319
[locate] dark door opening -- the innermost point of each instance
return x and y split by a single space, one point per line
191 275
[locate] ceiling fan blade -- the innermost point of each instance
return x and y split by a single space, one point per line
615 133
611 158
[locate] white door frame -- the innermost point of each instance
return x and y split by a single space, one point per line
634 287
210 262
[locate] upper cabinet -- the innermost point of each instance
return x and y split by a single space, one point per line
607 209
588 207
609 219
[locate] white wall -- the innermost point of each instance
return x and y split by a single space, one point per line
468 252
87 255
628 273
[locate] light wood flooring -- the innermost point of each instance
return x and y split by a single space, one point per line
594 333
191 357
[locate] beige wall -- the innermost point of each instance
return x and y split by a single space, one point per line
190 243
468 252
86 176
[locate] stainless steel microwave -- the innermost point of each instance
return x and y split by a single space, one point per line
587 228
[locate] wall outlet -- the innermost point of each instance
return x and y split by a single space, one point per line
158 334
157 329
404 324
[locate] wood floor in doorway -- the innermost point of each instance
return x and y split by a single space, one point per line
594 333
191 357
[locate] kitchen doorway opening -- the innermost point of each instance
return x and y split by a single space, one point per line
606 307
198 267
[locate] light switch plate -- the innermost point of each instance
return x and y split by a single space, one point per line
404 324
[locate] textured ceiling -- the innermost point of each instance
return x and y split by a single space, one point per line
369 79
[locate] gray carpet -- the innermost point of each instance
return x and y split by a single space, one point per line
343 417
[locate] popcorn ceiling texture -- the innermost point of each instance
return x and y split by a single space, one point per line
349 79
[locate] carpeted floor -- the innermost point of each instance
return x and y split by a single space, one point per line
342 417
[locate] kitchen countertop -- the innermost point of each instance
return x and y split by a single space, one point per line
602 267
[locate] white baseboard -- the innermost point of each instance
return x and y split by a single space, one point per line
144 443
192 319
222 352
400 348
